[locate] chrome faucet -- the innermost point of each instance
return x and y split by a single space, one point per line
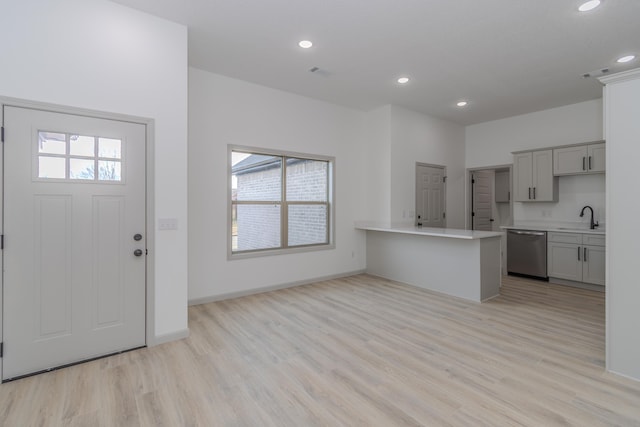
593 224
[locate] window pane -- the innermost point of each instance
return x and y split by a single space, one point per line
51 167
109 171
81 169
256 177
82 145
109 148
306 180
52 143
257 227
307 224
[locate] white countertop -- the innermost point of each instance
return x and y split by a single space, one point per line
555 228
452 233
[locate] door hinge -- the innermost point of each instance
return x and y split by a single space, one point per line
444 179
473 181
1 241
473 214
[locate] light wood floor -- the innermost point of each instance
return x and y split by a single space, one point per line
356 351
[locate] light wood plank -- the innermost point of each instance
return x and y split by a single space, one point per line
356 351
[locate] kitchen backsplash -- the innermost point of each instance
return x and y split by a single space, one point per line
574 193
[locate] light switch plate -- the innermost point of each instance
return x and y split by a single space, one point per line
167 223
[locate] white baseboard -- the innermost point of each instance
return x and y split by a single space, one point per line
230 295
164 338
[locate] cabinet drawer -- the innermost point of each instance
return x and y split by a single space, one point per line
593 239
556 237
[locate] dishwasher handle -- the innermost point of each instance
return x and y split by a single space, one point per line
528 233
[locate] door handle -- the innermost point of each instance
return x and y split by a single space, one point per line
583 167
137 252
578 253
584 255
590 163
137 237
529 193
534 193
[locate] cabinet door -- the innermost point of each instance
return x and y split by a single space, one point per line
522 174
544 183
593 270
502 187
563 262
596 155
570 160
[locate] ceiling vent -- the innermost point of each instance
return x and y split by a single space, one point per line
596 73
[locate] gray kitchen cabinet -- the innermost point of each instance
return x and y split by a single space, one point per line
502 192
576 257
533 179
579 159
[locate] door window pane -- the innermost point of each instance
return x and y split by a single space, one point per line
82 145
257 177
81 169
52 143
52 167
109 171
258 227
307 180
307 224
109 148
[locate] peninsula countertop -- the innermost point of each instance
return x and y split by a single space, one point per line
453 233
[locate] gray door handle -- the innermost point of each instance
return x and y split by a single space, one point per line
137 252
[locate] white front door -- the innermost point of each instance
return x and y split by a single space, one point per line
430 209
482 209
74 198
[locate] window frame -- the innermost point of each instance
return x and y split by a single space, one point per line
283 204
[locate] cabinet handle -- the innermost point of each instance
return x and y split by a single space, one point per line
534 193
590 163
583 167
508 196
584 255
578 253
529 193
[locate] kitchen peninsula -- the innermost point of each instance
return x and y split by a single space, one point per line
461 263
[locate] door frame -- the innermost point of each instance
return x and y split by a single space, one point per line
444 192
149 125
469 193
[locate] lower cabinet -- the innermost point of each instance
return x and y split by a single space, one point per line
576 257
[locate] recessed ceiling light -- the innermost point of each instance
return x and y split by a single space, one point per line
305 44
626 58
462 103
589 5
403 80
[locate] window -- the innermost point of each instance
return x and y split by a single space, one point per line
279 201
63 156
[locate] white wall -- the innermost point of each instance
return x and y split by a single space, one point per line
377 152
420 138
98 55
623 204
226 111
491 143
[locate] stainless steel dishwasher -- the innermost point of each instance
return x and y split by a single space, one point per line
527 253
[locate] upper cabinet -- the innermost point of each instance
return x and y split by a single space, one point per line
579 159
533 179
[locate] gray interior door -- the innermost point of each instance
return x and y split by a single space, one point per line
430 196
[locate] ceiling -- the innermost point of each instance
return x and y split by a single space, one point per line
506 57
